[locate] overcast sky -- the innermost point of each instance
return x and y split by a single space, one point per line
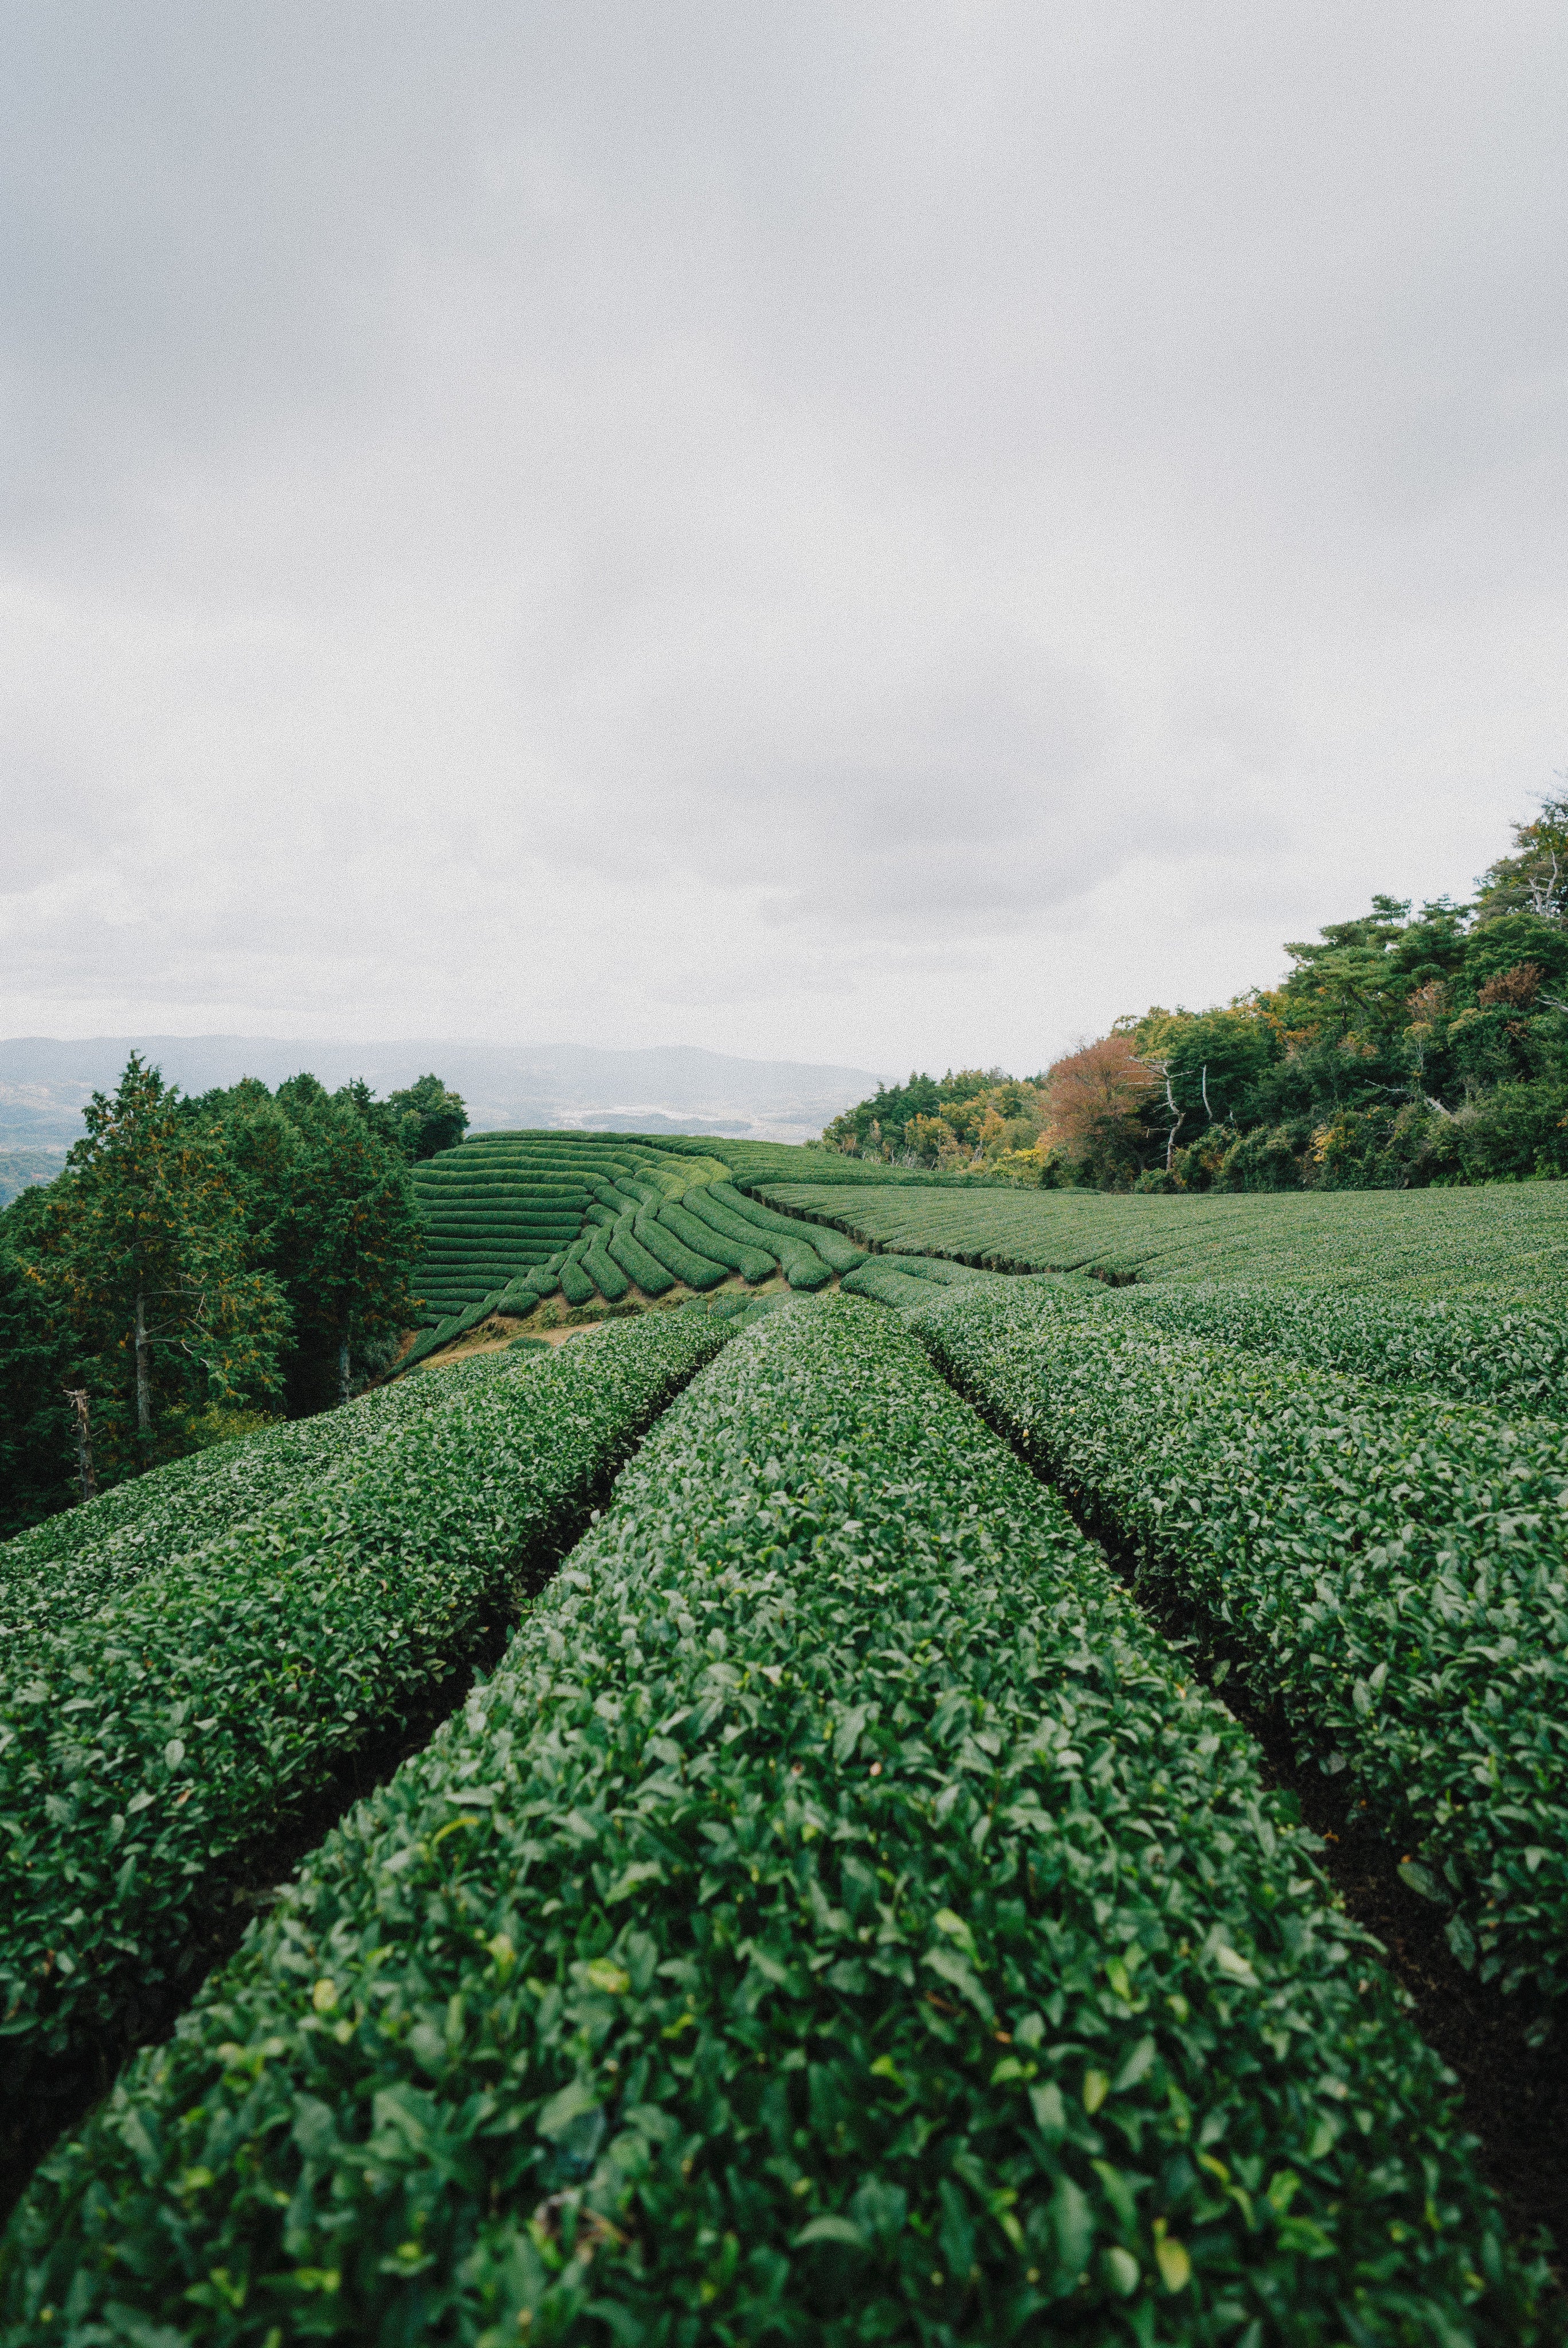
889 534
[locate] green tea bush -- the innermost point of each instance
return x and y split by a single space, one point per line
146 1752
519 1296
69 1564
831 1247
1390 1571
701 1206
837 1922
577 1286
750 1258
624 1249
1510 1241
699 1271
883 1281
603 1270
1504 1354
904 1281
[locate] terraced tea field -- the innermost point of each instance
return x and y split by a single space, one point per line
512 1218
839 1907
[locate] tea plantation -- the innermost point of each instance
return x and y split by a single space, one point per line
510 1219
832 1910
1510 1239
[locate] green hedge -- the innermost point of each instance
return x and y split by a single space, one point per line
469 1269
603 1270
626 1250
905 1283
837 1921
145 1755
561 1227
576 1284
519 1296
489 1189
749 1258
613 1194
803 1263
1504 1354
63 1569
1389 1570
700 1202
699 1271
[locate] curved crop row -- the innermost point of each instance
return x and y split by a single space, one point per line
1394 1573
626 1250
750 1258
710 1214
1508 1239
576 1285
603 1270
831 1249
904 1282
146 1754
503 1191
799 1261
836 1921
699 1271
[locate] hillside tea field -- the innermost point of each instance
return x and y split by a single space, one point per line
1510 1240
601 1219
835 1912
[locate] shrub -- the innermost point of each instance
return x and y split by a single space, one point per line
601 1268
705 1236
625 1249
145 1755
1389 1570
698 1272
839 1920
830 1246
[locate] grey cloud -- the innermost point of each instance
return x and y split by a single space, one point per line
877 532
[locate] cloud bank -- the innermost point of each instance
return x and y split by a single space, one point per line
878 534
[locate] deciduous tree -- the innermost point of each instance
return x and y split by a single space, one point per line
1096 1101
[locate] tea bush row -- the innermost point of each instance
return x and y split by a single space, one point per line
1391 1570
838 1920
1509 1241
58 1571
146 1754
829 1246
1508 1355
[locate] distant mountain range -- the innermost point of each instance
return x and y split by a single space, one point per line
669 1088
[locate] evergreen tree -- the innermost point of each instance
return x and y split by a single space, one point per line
140 1249
38 1364
428 1118
327 1198
1534 879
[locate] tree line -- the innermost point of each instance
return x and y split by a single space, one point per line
202 1265
1403 1047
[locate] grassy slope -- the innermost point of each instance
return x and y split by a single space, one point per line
1510 1240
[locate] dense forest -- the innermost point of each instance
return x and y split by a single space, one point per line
202 1265
1403 1047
